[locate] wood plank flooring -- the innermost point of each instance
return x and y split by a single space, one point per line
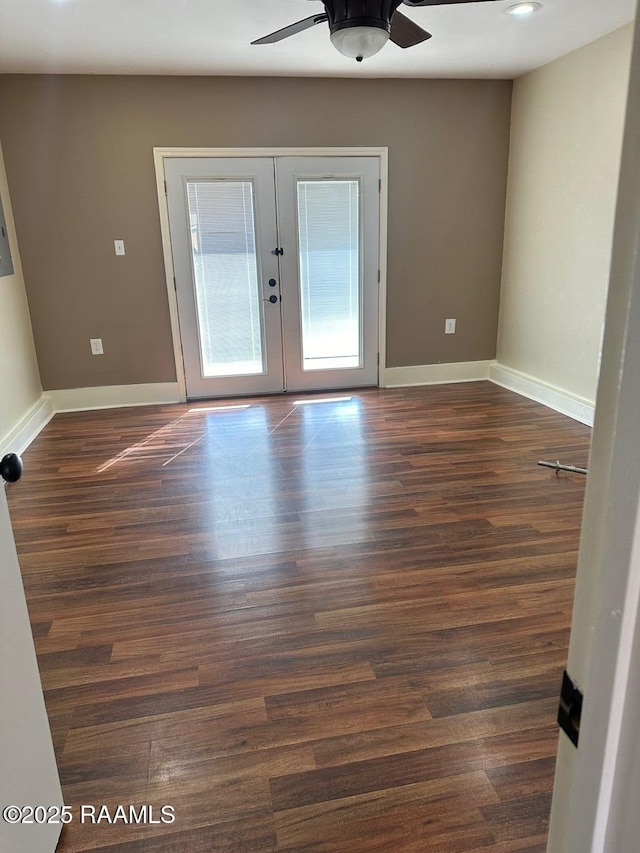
330 627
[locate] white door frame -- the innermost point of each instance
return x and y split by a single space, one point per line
595 808
159 156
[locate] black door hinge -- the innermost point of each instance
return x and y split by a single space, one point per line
570 709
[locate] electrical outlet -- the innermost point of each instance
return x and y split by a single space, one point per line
450 327
119 246
96 346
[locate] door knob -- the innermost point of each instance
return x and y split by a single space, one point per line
272 282
11 467
273 298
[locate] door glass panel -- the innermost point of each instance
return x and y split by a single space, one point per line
329 259
223 247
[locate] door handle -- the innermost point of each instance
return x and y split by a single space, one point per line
273 298
11 467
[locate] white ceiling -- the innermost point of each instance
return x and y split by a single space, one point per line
206 37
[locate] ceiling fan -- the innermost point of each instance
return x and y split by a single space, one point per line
360 28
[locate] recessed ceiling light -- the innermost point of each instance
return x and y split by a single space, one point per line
523 9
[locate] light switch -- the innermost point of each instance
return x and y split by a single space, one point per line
119 246
96 346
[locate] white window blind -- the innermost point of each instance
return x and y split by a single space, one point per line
329 259
223 244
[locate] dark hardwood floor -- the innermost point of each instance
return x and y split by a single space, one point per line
329 627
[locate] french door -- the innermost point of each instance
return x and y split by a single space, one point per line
276 271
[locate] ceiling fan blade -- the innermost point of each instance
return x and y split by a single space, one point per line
292 29
405 33
442 2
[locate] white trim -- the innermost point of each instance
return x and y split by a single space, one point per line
553 396
353 151
160 154
167 254
114 396
435 374
27 428
382 248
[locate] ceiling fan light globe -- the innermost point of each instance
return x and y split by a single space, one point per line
359 42
522 10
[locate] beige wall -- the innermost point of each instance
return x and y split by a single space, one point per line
566 138
79 157
19 379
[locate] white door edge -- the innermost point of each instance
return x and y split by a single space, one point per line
161 154
29 774
594 806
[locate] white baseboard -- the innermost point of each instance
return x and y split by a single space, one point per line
20 436
114 396
435 374
559 399
27 428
